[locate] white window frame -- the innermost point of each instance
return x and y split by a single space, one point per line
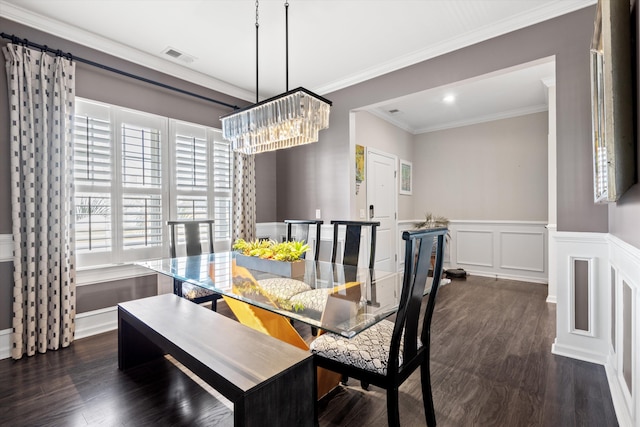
168 189
212 194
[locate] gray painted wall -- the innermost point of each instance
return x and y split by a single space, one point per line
100 85
266 187
318 175
373 132
109 294
488 171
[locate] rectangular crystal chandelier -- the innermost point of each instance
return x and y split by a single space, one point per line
287 120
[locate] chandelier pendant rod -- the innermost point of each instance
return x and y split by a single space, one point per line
286 36
257 57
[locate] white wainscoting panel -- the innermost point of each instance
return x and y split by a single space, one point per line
569 342
590 306
96 322
515 250
624 259
271 230
6 247
522 250
474 247
552 268
5 344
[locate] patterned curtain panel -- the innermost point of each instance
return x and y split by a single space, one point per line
41 102
244 197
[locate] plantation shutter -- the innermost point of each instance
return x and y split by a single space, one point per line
222 187
142 183
93 161
133 172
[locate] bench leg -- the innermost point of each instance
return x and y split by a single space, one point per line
133 347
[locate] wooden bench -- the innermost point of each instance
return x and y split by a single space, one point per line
269 382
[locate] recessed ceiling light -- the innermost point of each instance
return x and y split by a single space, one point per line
449 99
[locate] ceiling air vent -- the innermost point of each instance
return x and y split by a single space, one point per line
394 111
180 56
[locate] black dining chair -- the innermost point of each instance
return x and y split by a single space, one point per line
306 224
352 237
388 352
315 299
285 288
193 247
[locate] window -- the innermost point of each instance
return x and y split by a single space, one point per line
133 172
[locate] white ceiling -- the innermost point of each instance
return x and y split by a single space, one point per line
508 93
332 44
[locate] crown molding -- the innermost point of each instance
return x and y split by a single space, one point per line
488 118
535 16
119 50
128 53
460 123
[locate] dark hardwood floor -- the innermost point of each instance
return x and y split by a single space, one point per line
491 365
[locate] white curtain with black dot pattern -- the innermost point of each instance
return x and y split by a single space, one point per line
244 197
41 102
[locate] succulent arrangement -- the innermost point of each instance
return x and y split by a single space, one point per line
270 249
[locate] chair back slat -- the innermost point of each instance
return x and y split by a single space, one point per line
308 223
353 232
191 235
419 246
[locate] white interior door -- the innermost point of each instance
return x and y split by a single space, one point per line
381 205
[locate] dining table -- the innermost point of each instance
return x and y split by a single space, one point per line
329 297
346 299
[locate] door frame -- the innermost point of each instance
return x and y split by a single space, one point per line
394 227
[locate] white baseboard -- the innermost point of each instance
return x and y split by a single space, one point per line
87 324
6 247
501 275
5 344
617 396
577 353
96 322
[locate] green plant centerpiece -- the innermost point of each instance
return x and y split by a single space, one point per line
270 249
272 257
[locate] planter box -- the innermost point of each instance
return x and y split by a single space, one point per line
281 268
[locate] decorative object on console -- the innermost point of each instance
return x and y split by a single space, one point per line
287 120
433 221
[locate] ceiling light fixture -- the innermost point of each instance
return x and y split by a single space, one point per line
287 120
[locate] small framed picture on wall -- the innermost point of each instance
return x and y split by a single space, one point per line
406 177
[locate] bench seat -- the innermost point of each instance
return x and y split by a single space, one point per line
268 381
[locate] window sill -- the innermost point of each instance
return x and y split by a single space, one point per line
109 273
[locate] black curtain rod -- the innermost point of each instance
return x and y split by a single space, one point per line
58 52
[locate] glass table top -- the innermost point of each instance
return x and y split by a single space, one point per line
334 297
